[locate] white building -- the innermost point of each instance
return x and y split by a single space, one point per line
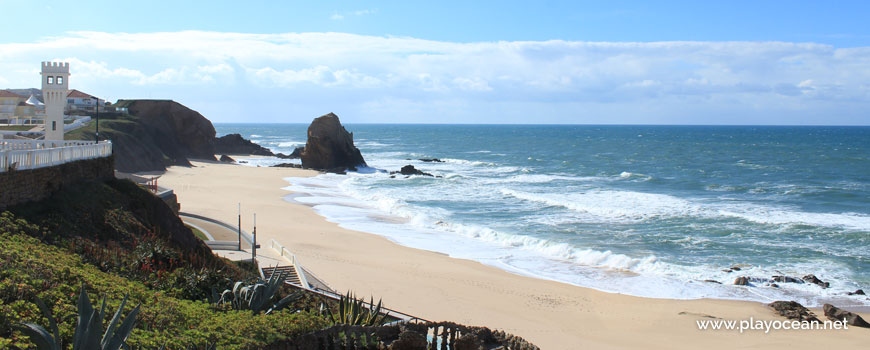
80 101
55 88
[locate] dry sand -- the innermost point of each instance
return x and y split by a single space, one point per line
436 287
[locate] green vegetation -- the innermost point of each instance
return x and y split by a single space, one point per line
197 233
258 296
110 124
30 268
89 332
352 311
117 239
17 127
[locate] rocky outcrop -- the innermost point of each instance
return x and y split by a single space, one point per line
410 170
815 280
236 144
297 153
227 159
330 147
155 134
287 165
741 281
183 131
857 292
793 310
834 313
786 279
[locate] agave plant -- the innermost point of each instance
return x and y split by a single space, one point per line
89 334
352 311
258 297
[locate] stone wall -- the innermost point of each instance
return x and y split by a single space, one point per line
20 186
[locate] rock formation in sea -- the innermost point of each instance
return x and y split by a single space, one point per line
330 147
236 144
410 170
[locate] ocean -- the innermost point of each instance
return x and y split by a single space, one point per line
651 211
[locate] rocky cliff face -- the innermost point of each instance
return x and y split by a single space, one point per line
181 129
330 147
155 134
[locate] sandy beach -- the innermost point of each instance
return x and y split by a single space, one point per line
436 287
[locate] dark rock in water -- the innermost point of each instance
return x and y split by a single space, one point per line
815 280
410 170
774 285
243 162
236 144
735 268
793 310
431 160
857 292
226 158
836 314
287 165
742 281
786 279
297 152
339 170
713 281
330 146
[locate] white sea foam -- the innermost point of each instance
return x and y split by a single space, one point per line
287 144
353 203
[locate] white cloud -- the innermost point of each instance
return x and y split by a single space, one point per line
340 16
360 70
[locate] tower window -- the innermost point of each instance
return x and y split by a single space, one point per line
59 80
50 80
53 125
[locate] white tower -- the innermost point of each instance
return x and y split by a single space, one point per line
55 87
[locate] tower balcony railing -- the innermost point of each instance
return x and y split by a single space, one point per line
27 154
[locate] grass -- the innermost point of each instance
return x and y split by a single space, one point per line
117 124
17 127
198 233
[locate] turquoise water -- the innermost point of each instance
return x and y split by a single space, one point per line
643 210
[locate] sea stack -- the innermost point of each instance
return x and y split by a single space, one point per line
330 147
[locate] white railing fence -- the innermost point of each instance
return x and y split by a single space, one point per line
291 258
27 154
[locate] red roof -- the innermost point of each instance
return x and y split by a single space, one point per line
7 93
78 94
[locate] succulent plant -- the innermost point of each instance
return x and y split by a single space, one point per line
258 297
352 311
89 334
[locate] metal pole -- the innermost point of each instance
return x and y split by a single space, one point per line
240 226
254 244
97 135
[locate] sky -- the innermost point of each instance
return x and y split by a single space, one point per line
563 62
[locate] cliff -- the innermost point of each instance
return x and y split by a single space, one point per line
155 134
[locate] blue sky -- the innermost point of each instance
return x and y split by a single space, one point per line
679 62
